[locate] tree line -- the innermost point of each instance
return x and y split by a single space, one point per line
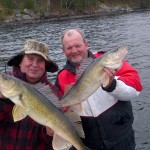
77 6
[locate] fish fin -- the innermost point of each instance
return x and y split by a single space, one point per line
59 143
76 122
48 92
82 67
18 113
79 72
19 99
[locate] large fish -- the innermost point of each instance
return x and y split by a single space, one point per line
29 101
93 76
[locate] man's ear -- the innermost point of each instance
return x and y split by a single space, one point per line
86 44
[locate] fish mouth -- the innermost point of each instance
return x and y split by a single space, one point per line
4 82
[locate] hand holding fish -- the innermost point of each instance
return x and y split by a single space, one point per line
111 73
49 131
66 109
1 95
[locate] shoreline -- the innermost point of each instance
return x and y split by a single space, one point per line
64 17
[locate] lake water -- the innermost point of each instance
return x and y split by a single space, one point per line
103 33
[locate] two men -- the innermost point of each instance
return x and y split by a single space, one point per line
111 127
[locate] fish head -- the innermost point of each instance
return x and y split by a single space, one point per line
8 85
115 58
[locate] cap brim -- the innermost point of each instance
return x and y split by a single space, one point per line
15 60
51 66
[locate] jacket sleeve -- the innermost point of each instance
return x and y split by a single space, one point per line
128 84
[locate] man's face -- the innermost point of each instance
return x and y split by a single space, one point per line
75 48
33 66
